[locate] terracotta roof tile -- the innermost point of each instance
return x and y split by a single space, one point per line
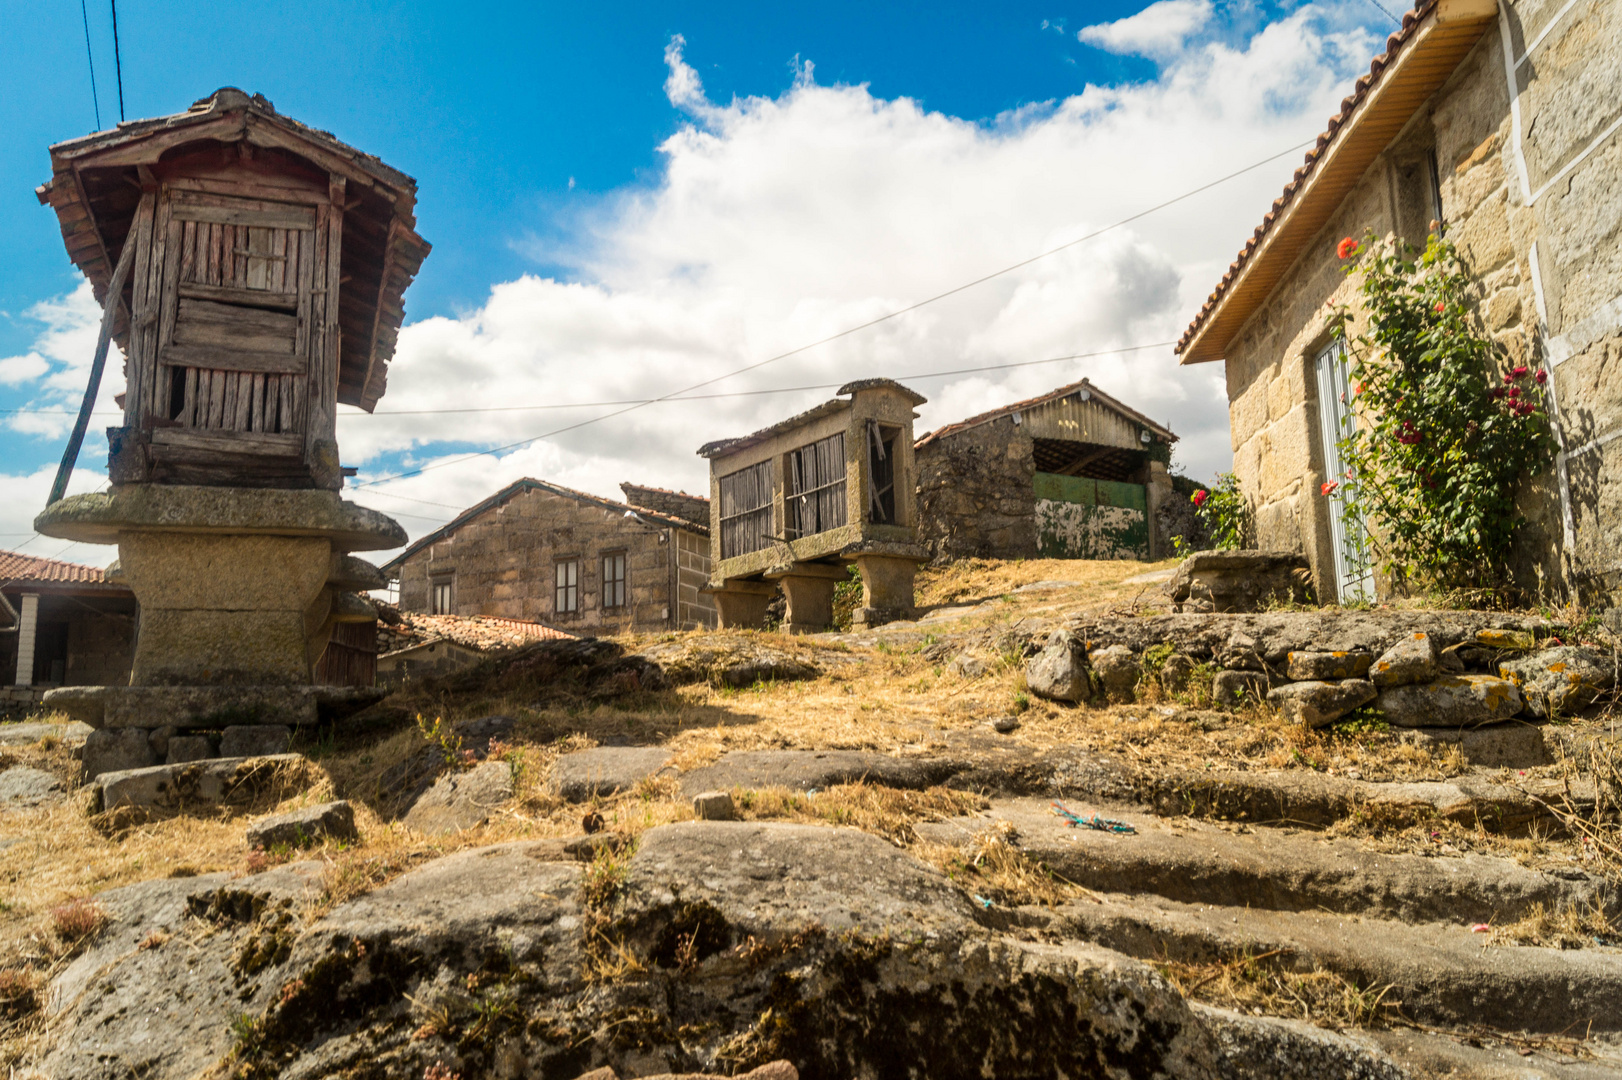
16 567
487 633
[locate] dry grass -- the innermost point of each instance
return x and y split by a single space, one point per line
1569 927
993 869
1098 582
1265 984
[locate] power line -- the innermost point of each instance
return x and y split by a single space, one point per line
1383 11
860 326
84 13
118 64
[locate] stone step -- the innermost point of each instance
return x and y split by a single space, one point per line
1441 973
1281 869
1432 1053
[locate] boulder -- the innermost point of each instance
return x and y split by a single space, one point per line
1562 679
724 660
255 740
1060 672
1316 703
1340 664
1502 638
1226 581
1451 701
968 665
1411 659
200 784
1176 672
804 770
117 750
1117 669
714 806
1512 745
461 800
606 770
305 826
1236 688
21 787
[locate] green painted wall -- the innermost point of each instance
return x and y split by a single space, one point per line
1080 518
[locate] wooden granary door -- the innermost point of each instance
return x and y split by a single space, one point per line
242 332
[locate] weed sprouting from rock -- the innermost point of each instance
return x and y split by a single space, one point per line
78 920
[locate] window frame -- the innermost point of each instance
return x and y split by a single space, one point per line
437 583
616 591
566 594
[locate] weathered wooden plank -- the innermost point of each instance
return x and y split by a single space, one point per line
284 189
241 442
140 358
148 149
254 298
204 356
188 401
165 244
286 415
220 210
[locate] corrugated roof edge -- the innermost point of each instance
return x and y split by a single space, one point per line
531 484
1043 399
1336 123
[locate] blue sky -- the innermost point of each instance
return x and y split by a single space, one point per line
626 199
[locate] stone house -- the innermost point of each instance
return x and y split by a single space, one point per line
61 623
1498 119
412 645
541 552
1071 474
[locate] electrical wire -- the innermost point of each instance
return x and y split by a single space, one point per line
850 330
118 63
84 13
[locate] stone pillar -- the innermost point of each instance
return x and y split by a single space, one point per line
886 589
1157 493
27 629
740 604
809 589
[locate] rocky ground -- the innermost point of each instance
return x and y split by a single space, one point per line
905 863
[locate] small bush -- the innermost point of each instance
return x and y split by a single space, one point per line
77 920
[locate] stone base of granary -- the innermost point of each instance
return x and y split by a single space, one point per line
887 588
140 726
808 589
1238 581
741 605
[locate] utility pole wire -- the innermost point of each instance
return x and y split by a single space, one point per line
118 64
84 13
853 329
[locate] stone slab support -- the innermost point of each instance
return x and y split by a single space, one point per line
887 589
27 633
1157 493
742 604
809 590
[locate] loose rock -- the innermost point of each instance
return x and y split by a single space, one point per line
305 826
1236 688
1511 745
1060 672
714 806
1411 660
1176 672
1303 666
1317 703
461 800
605 770
117 750
1451 701
1506 639
1002 725
967 665
1118 670
197 784
1562 679
183 748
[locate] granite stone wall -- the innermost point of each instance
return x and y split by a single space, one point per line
975 498
504 563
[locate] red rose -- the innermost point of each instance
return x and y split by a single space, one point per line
1496 392
1347 246
1199 497
1542 377
1439 307
1329 488
1516 373
1513 391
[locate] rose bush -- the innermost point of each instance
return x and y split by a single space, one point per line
1446 428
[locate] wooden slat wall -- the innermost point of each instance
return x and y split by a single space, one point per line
746 510
1082 421
814 489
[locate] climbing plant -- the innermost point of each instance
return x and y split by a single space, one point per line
1447 427
1225 513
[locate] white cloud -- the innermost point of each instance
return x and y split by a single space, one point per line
21 369
1157 30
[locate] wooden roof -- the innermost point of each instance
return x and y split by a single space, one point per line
96 182
1095 395
723 447
1434 38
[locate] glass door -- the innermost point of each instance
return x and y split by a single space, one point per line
1354 577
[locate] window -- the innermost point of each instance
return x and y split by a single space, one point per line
881 473
614 580
568 590
746 510
440 595
815 494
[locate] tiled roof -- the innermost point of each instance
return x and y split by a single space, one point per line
1043 399
722 447
664 491
1464 21
17 568
530 484
487 633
